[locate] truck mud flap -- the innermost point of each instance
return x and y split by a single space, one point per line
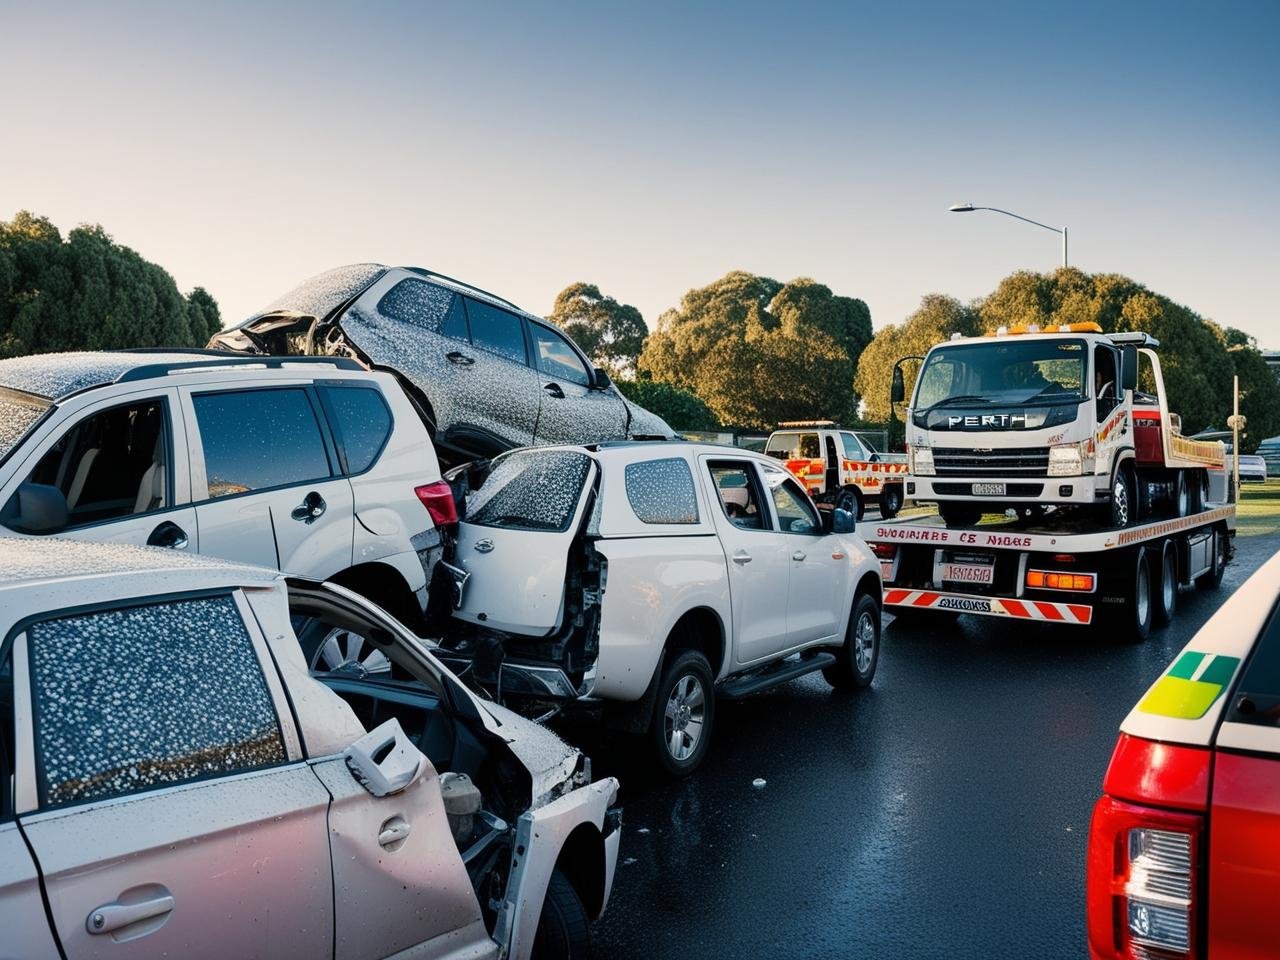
1044 610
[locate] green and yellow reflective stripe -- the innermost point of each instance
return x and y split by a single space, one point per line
1192 685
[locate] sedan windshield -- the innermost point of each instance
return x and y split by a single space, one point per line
1003 372
18 414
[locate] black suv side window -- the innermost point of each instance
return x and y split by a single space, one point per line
259 439
361 423
556 358
111 464
417 302
497 330
135 698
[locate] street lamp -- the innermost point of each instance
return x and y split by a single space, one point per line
969 208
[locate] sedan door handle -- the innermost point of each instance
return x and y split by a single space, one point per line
169 534
113 916
742 557
461 359
311 508
798 555
553 390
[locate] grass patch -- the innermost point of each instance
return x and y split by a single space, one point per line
1258 512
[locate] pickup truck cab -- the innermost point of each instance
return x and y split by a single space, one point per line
839 467
1184 846
648 577
1031 418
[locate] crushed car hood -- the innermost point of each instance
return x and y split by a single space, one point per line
550 761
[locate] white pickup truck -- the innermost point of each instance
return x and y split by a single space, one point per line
1032 418
646 578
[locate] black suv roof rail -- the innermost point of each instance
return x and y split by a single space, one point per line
219 358
462 283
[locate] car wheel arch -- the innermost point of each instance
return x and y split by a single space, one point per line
582 861
380 583
700 629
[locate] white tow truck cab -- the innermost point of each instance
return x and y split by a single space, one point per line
1031 418
838 467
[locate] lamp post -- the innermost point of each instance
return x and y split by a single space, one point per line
969 208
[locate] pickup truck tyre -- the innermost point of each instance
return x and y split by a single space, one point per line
955 514
564 933
1212 579
856 661
1167 594
850 499
683 714
890 501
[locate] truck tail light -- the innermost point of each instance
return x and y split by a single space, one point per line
438 499
885 551
1144 883
1061 580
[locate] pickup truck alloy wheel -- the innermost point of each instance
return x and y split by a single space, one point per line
684 714
856 661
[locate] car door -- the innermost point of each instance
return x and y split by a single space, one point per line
161 786
119 472
570 409
515 539
266 479
819 568
756 554
504 393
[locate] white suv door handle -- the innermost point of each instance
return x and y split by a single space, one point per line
741 557
798 555
113 916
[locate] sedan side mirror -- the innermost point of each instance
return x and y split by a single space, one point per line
384 760
841 521
41 509
600 380
898 389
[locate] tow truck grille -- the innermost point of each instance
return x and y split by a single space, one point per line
1008 462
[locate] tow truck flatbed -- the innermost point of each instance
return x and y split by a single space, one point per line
1061 570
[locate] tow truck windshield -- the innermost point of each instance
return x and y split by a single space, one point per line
1003 372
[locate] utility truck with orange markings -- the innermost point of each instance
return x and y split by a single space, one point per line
1114 512
839 467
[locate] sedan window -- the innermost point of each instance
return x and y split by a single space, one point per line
140 697
497 331
18 414
556 358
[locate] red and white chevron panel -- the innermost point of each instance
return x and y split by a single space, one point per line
1072 613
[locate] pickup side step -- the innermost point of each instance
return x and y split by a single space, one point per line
771 676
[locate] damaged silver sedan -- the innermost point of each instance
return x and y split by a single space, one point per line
202 759
486 375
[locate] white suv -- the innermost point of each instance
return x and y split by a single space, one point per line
312 466
651 577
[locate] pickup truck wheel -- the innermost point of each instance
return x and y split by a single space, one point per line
564 933
890 501
956 514
683 714
851 500
856 661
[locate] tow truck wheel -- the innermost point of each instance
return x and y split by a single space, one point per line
851 500
856 661
1119 512
1199 490
1167 595
564 933
1181 494
1135 622
890 501
1212 579
684 713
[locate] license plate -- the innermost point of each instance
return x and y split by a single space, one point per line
988 489
983 573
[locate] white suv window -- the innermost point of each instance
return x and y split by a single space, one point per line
134 698
661 491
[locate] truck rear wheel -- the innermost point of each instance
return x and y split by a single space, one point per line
1167 594
1133 620
1212 579
1181 494
957 514
890 501
684 713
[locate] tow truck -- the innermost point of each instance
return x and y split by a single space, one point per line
839 468
1031 418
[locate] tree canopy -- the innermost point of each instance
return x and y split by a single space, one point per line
88 293
680 408
757 351
610 332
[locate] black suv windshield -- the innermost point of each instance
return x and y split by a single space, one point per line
531 490
1005 371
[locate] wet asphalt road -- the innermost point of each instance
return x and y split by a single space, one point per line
942 813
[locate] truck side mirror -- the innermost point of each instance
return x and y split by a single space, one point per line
41 509
898 391
1129 367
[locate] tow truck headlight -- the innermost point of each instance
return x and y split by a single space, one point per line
922 461
1065 460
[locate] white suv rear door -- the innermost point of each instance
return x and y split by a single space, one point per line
266 481
516 537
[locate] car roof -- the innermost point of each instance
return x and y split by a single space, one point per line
56 376
26 560
626 449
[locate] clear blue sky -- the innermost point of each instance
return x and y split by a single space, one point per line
649 148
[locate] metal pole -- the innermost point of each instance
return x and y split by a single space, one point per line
1235 431
1064 246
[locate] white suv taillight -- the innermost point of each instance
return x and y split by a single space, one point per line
1158 891
438 499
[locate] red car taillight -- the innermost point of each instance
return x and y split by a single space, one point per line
1144 893
885 551
438 499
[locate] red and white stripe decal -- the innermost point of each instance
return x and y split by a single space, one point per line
1073 613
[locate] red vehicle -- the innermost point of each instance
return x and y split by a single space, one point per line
1184 847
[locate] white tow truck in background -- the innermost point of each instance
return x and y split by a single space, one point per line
838 467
